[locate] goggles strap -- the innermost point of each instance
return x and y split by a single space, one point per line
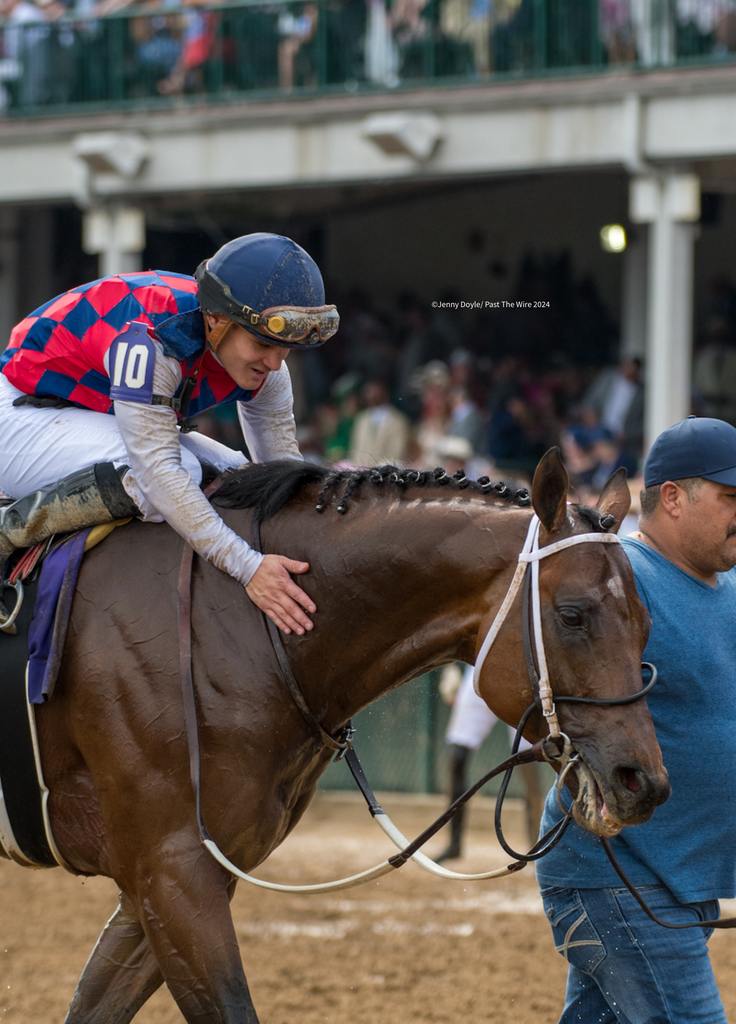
216 334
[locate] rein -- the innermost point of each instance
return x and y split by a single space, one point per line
408 850
556 748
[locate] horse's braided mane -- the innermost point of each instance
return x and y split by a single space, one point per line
267 487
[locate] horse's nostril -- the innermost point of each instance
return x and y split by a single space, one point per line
645 786
631 778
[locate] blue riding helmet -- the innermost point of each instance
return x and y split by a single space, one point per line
272 287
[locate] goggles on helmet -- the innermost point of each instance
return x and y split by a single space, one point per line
290 326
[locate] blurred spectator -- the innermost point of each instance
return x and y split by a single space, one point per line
470 21
381 433
714 372
25 48
407 21
158 45
297 27
616 398
452 453
345 396
616 31
720 301
465 418
655 31
606 459
447 324
515 441
421 343
433 384
197 46
725 29
381 51
705 25
368 345
412 33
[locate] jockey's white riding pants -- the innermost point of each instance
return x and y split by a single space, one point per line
471 719
40 446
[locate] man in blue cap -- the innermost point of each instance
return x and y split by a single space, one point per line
152 349
622 967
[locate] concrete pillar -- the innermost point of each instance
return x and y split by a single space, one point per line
9 260
670 205
117 234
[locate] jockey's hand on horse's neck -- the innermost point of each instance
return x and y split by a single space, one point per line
272 589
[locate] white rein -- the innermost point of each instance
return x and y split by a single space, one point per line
531 554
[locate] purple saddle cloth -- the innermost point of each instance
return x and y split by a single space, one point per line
47 631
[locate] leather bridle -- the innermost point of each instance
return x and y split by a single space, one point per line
556 748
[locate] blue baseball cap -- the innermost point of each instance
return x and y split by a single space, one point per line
696 447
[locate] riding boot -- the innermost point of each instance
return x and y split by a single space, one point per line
458 763
86 498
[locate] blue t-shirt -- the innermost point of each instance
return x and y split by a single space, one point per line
689 844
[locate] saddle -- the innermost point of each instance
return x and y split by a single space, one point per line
44 580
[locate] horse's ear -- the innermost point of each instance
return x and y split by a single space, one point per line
549 490
615 499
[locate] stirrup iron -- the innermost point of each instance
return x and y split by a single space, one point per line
7 620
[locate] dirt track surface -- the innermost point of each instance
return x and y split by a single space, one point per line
407 949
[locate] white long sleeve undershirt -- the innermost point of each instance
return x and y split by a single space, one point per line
151 438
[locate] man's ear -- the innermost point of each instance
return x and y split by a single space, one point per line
615 499
549 490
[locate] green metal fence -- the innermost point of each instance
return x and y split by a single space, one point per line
400 741
193 52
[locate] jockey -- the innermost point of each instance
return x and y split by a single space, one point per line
152 349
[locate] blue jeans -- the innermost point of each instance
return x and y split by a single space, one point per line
624 968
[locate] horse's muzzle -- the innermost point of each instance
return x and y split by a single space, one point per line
629 796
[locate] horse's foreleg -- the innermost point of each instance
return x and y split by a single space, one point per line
182 896
120 975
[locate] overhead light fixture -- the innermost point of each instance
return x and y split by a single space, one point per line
121 153
404 133
613 237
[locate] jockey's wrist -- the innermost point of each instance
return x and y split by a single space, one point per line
250 573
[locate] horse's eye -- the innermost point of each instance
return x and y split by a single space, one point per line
571 616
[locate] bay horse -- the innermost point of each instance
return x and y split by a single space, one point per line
408 580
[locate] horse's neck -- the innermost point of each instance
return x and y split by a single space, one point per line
402 587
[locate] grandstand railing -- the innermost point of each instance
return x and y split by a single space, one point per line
180 51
